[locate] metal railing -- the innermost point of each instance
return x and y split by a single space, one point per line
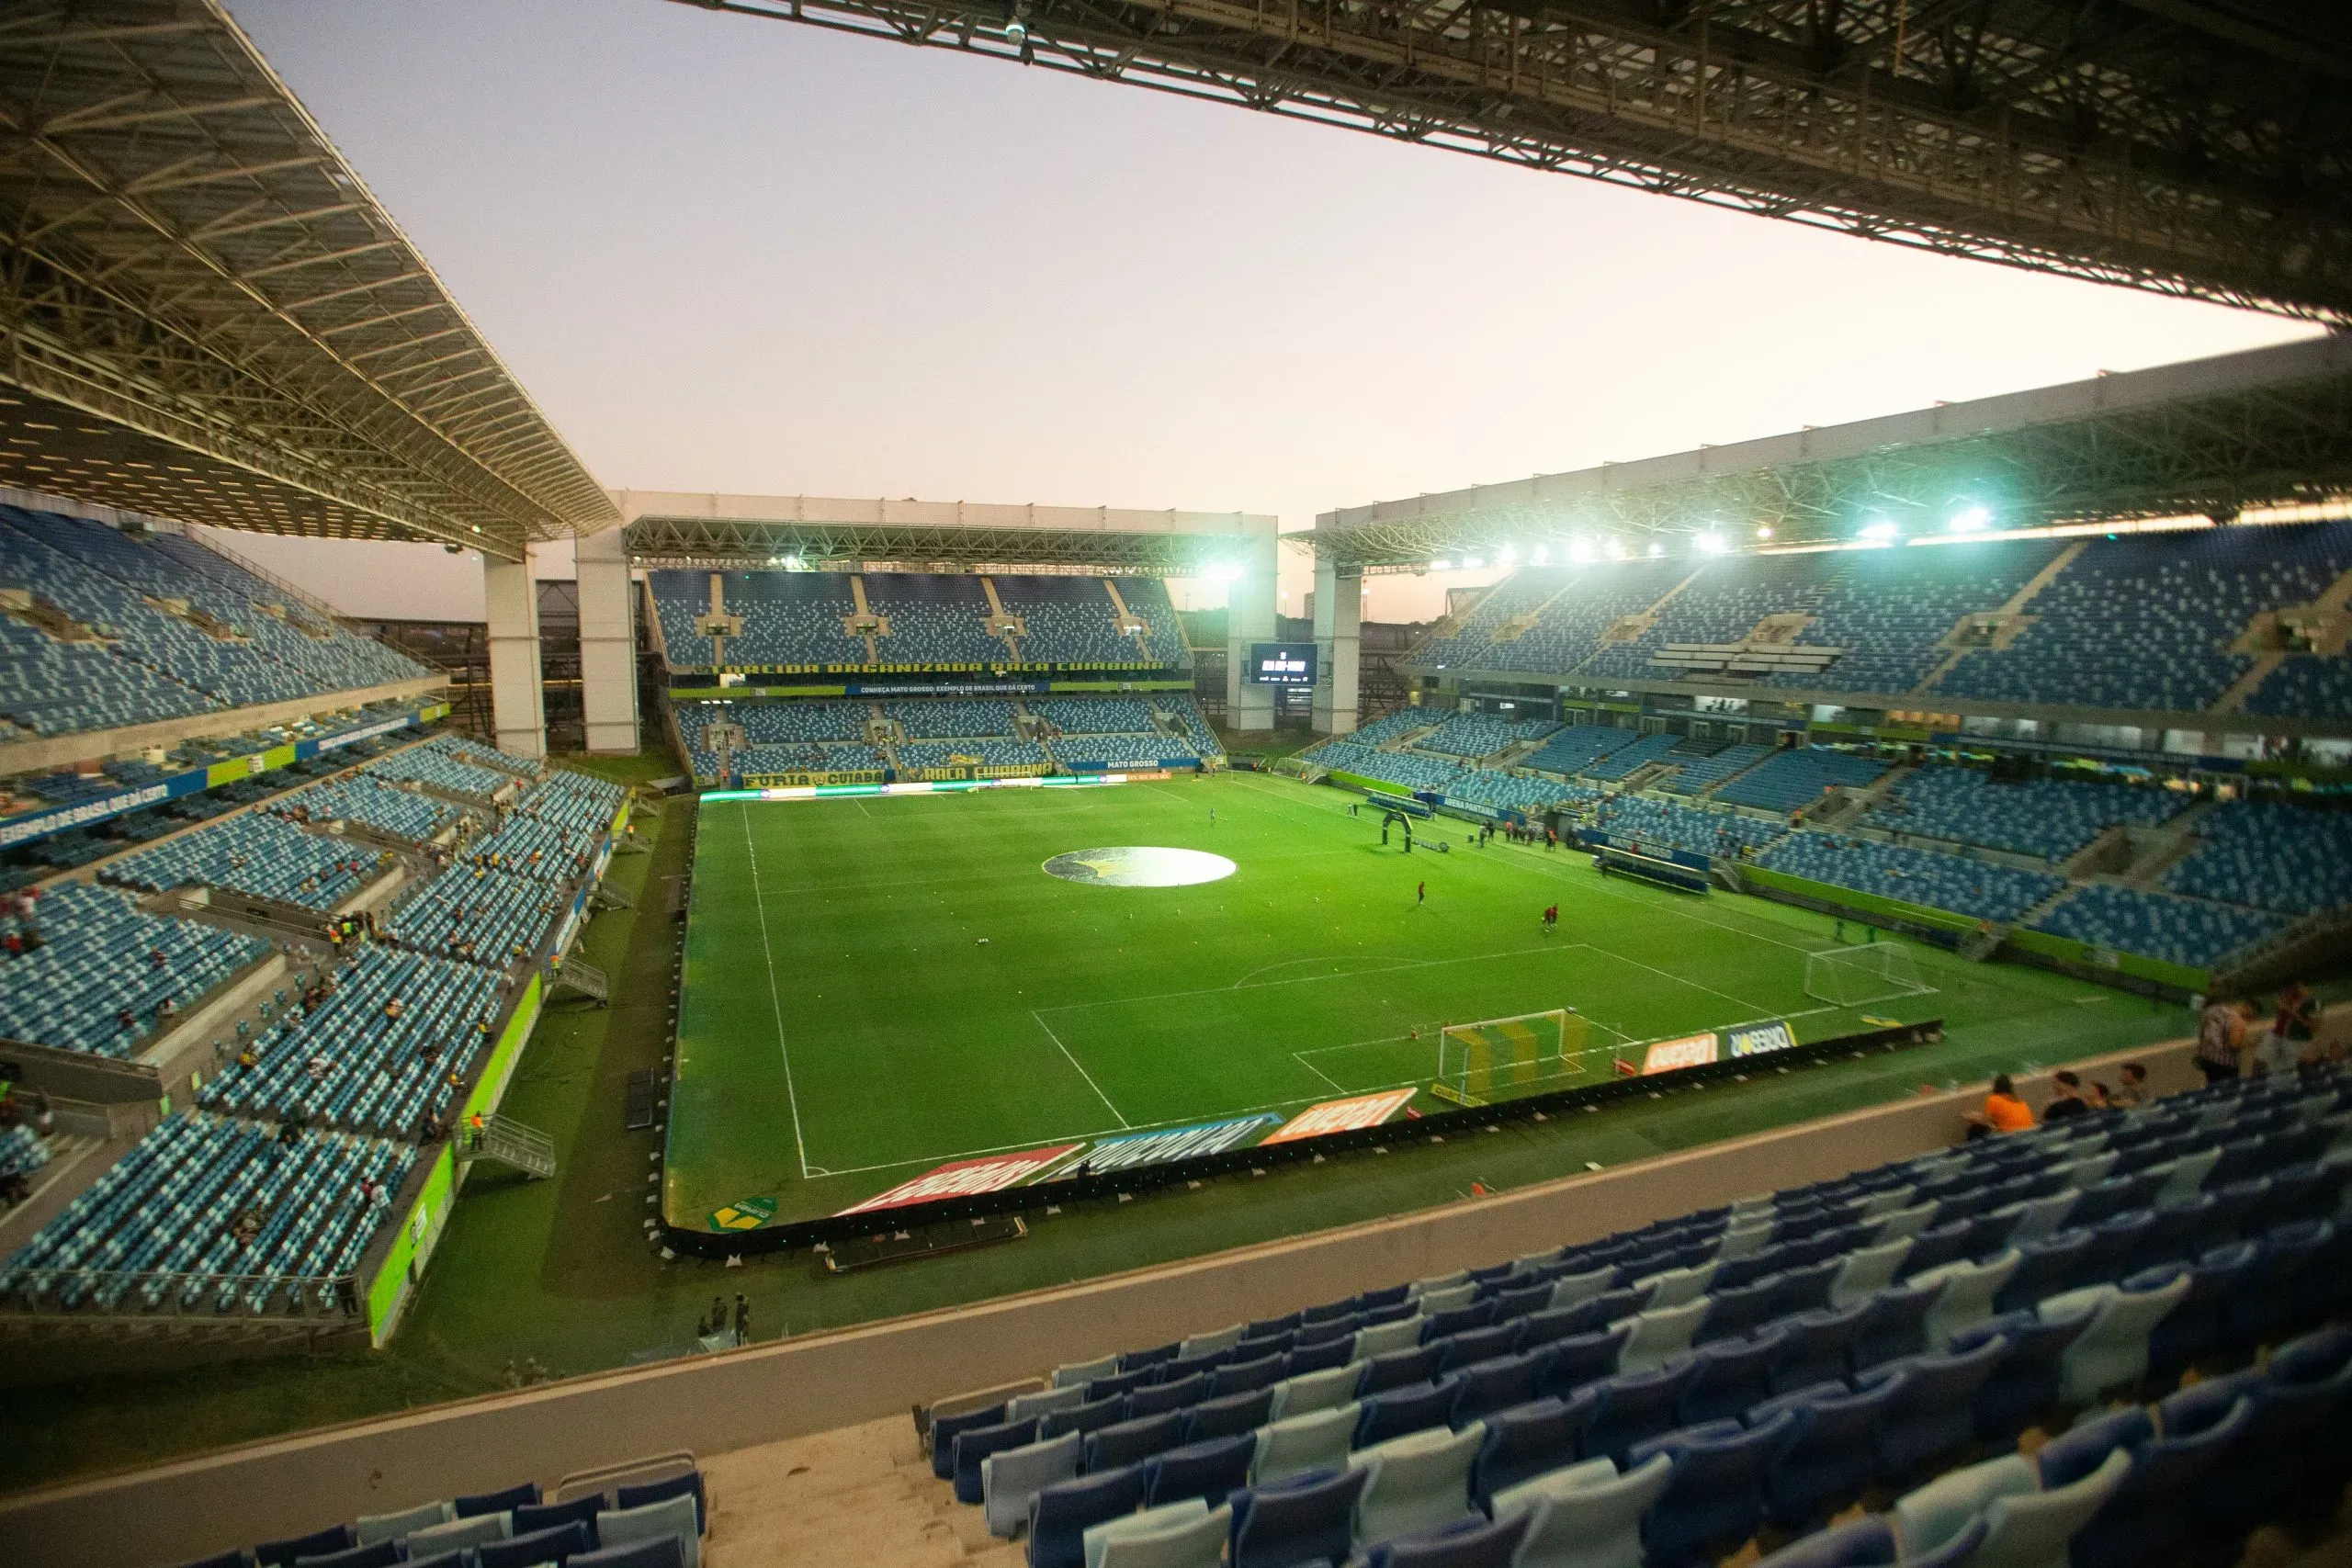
331 1299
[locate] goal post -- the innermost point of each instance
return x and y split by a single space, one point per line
1477 1061
1852 976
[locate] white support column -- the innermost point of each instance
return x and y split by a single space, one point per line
607 644
517 706
1249 617
1339 625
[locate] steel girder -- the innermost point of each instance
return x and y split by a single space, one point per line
2281 444
729 545
188 259
2176 145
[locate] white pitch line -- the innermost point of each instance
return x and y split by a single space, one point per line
1319 1072
776 1001
1081 1071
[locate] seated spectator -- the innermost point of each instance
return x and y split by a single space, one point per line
2132 1092
2003 1112
2067 1100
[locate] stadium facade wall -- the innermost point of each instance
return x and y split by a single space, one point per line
764 1392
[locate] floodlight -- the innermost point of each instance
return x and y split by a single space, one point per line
1580 550
1763 530
1656 548
1471 563
1711 544
1969 519
1543 555
1878 531
1440 565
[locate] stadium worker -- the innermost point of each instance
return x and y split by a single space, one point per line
2003 1112
2068 1100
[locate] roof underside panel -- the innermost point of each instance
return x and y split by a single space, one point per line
191 262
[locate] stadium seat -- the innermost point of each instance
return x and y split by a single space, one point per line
460 1534
1870 1544
1967 1295
1635 1405
1867 1271
1478 1343
1398 1370
555 1544
1715 1500
1730 1375
1928 1517
1933 1417
1316 1439
369 1528
1818 1347
1497 1384
1471 1542
380 1555
1660 1335
675 1518
1290 1523
1206 1469
2034 1529
1010 1477
1415 1483
1527 1441
1235 1413
1128 1443
689 1484
2112 1350
538 1517
973 1444
1574 1290
1587 1515
1386 1338
1078 1374
318 1543
1063 1397
1832 1451
1157 1398
1406 1410
1059 1514
1090 1417
2045 1269
1181 1535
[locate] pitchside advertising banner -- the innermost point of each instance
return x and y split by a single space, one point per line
1177 1142
1759 1039
966 1178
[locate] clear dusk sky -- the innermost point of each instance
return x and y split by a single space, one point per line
732 254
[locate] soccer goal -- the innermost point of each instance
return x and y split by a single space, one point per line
1477 1062
1851 977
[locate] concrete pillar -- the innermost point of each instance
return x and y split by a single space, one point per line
1339 622
1249 617
607 643
517 706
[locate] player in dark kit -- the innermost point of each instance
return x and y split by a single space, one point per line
1551 917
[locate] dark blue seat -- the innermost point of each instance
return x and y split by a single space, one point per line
1731 1375
1634 1406
1209 1469
1832 1454
1168 1397
1456 1320
943 1432
1582 1360
318 1543
1243 1377
235 1557
1528 1440
1736 1310
1294 1521
1716 1498
2232 1216
1819 1346
1937 1245
1399 1411
1893 1325
1059 1514
524 1494
376 1555
2314 1374
1497 1384
2144 1519
1551 1323
1329 1311
689 1483
1933 1418
1186 1366
2116 1244
1129 1442
1867 1542
1399 1369
1476 1345
1266 1327
2026 1381
1139 1360
1520 1301
2235 1497
1092 1416
1318 1357
1126 1384
1234 1413
1387 1296
1463 1543
1603 1310
973 1444
557 1544
2298 1193
653 1551
545 1516
2047 1267
1804 1288
1323 1331
2194 1327
2264 1303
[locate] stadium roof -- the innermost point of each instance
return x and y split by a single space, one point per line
738 531
2271 426
2193 147
209 317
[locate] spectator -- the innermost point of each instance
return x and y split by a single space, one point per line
2066 1100
2003 1112
2293 1029
2132 1092
2221 1035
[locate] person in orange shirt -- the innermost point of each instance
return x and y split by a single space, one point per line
2003 1112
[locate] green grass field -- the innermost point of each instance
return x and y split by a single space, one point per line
846 1027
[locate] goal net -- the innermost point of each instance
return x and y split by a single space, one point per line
1479 1061
1850 976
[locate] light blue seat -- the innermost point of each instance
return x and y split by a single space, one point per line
1660 1335
1317 1440
1966 1299
1189 1534
1928 1517
1585 1517
369 1529
1326 1389
1414 1482
1867 1271
2112 1350
1010 1477
2035 1529
674 1516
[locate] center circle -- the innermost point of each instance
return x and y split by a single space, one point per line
1145 865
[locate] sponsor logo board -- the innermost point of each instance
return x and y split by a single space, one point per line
1341 1116
1757 1038
1672 1055
966 1178
1176 1142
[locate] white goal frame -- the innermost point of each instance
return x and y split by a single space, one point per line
1857 976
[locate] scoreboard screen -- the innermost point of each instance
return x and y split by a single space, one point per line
1282 663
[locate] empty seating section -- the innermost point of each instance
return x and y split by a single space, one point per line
21 1150
2271 855
2142 623
1979 890
2306 686
1696 774
1720 603
2052 818
1657 1396
574 803
1391 726
936 620
99 630
2179 930
346 1062
990 753
1117 749
1577 748
103 969
1521 593
1514 791
371 801
1072 620
476 913
257 853
172 1204
1797 778
1891 610
1571 627
1402 768
1094 715
1482 734
1628 760
952 718
426 765
1684 826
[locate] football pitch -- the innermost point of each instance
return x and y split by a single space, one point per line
875 986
